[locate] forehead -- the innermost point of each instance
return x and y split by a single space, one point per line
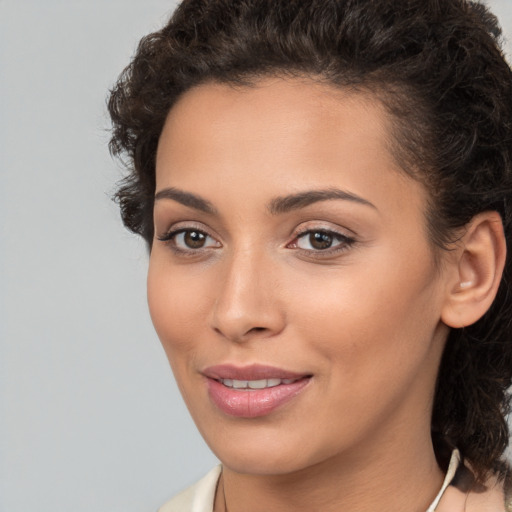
277 107
270 118
280 135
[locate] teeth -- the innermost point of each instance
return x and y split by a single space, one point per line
255 384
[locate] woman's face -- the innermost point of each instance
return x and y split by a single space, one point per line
291 280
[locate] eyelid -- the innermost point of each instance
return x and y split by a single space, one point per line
309 226
347 240
185 226
336 234
170 234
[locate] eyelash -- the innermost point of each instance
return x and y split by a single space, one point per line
169 238
345 242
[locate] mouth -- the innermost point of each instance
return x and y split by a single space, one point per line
252 391
255 384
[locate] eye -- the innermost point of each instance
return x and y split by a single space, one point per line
189 239
318 240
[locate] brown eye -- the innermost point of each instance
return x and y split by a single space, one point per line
320 240
190 240
194 239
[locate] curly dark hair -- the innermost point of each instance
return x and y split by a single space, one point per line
436 66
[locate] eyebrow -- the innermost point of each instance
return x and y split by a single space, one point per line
279 205
186 199
292 202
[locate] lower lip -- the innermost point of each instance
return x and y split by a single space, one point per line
252 403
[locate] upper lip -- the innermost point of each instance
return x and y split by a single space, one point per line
250 372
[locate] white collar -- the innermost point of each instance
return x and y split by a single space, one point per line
452 469
201 496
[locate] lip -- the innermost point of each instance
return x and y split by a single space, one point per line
252 403
250 372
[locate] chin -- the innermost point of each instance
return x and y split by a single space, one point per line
263 451
261 462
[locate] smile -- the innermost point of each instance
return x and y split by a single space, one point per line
255 384
253 391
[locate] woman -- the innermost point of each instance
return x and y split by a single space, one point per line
324 187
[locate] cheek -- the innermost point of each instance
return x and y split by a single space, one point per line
371 338
177 304
374 317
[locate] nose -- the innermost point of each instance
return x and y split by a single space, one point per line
247 305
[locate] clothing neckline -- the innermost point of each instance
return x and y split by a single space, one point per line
452 469
201 496
450 474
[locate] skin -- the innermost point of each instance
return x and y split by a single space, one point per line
363 318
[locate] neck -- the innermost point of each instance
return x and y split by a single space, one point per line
365 480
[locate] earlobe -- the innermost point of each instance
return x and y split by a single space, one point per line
475 271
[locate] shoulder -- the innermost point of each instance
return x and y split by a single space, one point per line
467 496
196 498
493 498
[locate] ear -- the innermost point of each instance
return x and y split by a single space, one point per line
475 270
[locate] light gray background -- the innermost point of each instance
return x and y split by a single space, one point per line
90 417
